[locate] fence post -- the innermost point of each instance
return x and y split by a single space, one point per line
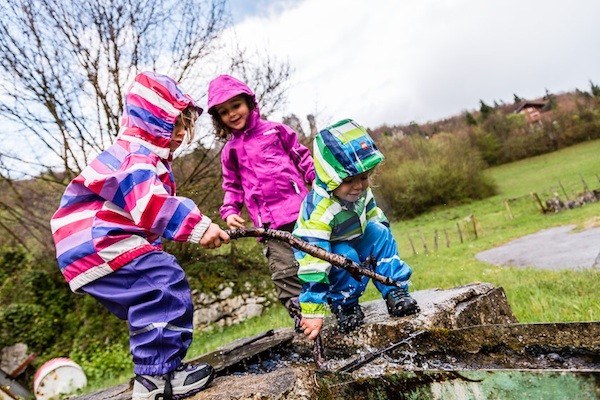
508 210
412 246
424 243
536 198
459 232
564 191
447 238
474 222
435 240
585 186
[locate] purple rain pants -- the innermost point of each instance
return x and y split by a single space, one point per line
377 241
152 293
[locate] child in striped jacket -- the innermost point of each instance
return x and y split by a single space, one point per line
340 215
108 229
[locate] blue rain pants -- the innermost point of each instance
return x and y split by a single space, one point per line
377 241
153 295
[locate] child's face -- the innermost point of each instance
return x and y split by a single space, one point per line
234 112
352 187
177 136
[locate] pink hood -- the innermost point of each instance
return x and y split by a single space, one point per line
225 87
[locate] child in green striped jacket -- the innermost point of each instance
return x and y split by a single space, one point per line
340 215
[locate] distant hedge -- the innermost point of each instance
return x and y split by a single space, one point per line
419 174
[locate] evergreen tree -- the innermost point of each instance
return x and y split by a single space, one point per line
595 90
517 99
485 110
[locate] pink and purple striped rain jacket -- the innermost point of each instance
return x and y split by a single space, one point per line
124 201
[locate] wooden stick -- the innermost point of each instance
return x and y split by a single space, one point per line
319 353
334 259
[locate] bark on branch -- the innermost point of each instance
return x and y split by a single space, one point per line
336 260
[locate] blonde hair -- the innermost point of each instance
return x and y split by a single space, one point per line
188 118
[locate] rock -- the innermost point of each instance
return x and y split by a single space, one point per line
12 357
225 293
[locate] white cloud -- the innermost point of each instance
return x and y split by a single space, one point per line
392 61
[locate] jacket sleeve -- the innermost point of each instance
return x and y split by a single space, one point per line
233 199
137 189
313 272
299 153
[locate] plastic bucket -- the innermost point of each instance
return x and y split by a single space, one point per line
58 376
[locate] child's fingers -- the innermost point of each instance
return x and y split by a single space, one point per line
224 236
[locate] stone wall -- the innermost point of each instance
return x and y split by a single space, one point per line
226 308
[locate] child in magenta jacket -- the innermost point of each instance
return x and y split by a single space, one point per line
108 229
267 170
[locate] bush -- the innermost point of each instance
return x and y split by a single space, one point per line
104 363
26 323
423 174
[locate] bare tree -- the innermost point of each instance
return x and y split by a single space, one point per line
65 66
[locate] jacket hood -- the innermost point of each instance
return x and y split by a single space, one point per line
152 104
225 87
341 150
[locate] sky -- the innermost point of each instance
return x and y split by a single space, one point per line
400 61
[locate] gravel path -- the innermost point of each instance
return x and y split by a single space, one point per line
555 248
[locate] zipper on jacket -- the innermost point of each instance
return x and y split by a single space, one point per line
295 185
260 224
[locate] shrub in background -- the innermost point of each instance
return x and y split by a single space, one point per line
419 174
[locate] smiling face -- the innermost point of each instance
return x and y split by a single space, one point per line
234 112
352 187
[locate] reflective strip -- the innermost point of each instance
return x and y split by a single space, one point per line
157 325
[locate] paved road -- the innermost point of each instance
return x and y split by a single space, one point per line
555 248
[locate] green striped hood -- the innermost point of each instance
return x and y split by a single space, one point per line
341 150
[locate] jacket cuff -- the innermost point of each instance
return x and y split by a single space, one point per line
227 213
199 229
314 310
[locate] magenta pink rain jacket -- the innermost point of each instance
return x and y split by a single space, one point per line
264 166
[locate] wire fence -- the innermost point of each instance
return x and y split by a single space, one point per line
470 228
